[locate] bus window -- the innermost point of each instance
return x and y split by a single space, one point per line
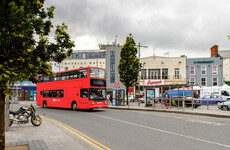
40 79
46 79
51 78
59 93
65 75
83 73
53 93
84 93
57 77
74 74
97 94
45 93
41 93
97 73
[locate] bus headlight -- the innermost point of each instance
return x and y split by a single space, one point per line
92 103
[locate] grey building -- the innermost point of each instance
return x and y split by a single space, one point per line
114 85
205 71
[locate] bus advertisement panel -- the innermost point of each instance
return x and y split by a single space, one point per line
83 88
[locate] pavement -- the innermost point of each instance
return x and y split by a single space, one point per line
52 135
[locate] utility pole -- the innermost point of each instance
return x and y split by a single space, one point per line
139 69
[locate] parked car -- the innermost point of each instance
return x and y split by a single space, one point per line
224 106
211 99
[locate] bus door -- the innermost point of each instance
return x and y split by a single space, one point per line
84 98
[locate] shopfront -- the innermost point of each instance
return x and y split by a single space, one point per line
24 91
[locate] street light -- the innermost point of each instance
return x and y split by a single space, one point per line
139 53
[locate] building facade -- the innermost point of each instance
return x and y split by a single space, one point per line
163 70
114 86
55 66
24 91
205 71
84 58
225 54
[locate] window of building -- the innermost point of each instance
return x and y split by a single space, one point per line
84 55
112 67
74 55
154 74
165 74
192 70
66 68
215 70
192 81
177 73
203 82
203 70
112 77
112 53
143 74
214 81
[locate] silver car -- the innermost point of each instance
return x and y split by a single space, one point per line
224 105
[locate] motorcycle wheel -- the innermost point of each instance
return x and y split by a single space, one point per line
36 120
10 122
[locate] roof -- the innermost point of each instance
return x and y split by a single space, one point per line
224 53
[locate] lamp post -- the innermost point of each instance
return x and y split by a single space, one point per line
139 49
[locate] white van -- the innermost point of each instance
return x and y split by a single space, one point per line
224 91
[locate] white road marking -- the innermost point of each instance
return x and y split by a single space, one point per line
164 131
190 120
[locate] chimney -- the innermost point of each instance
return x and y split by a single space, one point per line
214 50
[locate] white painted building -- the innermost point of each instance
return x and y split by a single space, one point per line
84 58
163 70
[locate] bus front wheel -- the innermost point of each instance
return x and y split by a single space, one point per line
74 106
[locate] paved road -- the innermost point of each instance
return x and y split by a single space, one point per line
124 129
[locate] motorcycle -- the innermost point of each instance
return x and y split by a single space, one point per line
21 116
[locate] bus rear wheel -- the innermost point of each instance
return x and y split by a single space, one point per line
74 106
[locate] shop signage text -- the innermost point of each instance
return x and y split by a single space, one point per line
204 62
153 82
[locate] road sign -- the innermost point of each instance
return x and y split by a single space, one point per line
117 85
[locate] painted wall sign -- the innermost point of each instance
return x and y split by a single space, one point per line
153 82
204 62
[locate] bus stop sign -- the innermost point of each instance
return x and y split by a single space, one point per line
117 85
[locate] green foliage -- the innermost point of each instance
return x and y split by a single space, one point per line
128 66
25 48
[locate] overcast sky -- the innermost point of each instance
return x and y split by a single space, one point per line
180 27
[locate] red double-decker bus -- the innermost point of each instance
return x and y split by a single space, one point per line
82 88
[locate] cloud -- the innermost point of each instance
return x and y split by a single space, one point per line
183 27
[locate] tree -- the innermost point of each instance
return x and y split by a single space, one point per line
25 46
128 66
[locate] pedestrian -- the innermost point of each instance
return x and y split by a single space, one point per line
166 96
108 98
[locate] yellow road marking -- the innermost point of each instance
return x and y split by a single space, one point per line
81 135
